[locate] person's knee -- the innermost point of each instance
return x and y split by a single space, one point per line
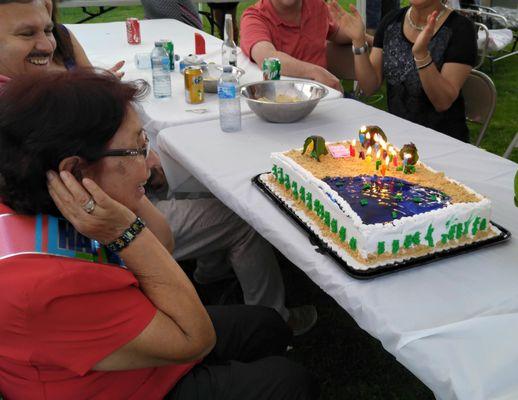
271 324
292 381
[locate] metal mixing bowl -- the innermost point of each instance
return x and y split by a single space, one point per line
307 94
212 73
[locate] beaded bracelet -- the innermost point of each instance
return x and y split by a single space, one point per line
127 237
426 65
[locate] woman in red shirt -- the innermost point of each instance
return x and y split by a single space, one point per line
92 305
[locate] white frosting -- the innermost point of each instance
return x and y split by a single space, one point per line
368 235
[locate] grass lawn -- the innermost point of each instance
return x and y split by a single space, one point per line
349 362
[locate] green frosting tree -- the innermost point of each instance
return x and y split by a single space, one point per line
319 146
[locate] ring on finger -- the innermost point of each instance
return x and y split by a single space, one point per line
89 206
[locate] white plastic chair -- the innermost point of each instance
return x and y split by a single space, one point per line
491 40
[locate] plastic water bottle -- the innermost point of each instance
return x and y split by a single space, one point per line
229 101
228 48
161 71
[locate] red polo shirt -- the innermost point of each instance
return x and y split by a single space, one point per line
305 41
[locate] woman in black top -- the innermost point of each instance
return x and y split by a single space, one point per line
425 52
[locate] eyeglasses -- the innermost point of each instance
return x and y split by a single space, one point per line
142 151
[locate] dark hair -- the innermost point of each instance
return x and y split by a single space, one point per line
64 52
45 118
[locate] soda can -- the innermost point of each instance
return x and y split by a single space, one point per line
169 49
194 92
271 69
133 30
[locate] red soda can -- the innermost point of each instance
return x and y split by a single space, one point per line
133 30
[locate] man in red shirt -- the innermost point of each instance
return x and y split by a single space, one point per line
294 31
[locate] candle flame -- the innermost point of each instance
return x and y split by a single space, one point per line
383 144
378 154
375 137
369 151
354 142
387 160
408 155
363 129
368 136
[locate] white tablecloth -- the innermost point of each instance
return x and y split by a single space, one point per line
453 323
106 43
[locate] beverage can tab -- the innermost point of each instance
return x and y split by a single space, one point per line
338 151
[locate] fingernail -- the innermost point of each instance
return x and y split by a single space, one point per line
63 175
50 175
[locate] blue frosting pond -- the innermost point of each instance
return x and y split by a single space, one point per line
379 199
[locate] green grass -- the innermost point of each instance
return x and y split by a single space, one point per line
350 363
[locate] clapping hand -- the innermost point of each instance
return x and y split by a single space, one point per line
88 208
351 23
420 48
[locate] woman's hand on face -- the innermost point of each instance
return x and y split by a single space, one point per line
115 70
351 23
108 220
420 47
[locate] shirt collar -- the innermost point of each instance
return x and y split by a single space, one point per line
277 21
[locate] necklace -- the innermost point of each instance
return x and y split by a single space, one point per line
421 27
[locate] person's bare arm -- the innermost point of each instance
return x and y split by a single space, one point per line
441 87
368 67
181 330
290 66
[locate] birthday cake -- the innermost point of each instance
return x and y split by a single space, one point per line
374 204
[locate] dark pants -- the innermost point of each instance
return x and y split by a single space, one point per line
246 363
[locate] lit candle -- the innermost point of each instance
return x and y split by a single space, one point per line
368 157
363 129
368 136
395 157
385 166
378 154
406 157
352 148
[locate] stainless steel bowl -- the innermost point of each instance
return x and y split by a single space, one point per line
212 73
263 98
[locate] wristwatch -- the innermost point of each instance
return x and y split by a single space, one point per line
360 50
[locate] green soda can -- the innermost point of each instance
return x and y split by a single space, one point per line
169 49
271 69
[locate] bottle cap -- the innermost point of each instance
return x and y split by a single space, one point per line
227 69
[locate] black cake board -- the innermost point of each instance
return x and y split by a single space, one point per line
383 269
